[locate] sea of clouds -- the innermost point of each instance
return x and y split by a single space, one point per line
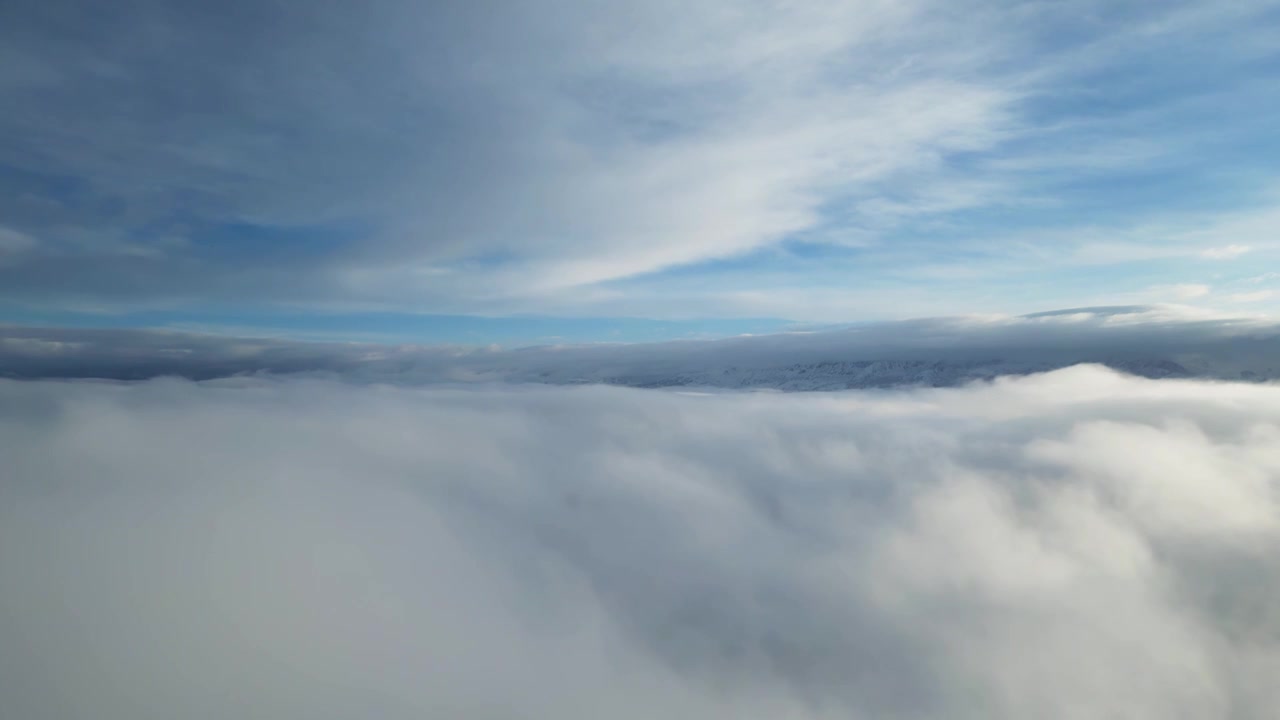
1076 544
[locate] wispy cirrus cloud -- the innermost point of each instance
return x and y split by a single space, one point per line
1185 291
1250 297
551 157
582 151
1226 252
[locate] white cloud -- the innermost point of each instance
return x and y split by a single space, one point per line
1073 545
1171 235
1226 252
1184 291
1248 297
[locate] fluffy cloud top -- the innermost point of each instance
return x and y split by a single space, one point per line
1079 544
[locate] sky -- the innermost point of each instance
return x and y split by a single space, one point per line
565 170
507 359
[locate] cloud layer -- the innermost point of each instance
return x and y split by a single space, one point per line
1161 341
1079 544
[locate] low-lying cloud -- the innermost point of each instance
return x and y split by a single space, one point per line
1079 544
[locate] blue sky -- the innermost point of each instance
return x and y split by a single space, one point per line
570 171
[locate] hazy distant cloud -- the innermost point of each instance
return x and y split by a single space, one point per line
1156 341
1185 291
1073 545
1226 253
1256 296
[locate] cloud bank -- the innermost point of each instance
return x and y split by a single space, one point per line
1153 341
1079 544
